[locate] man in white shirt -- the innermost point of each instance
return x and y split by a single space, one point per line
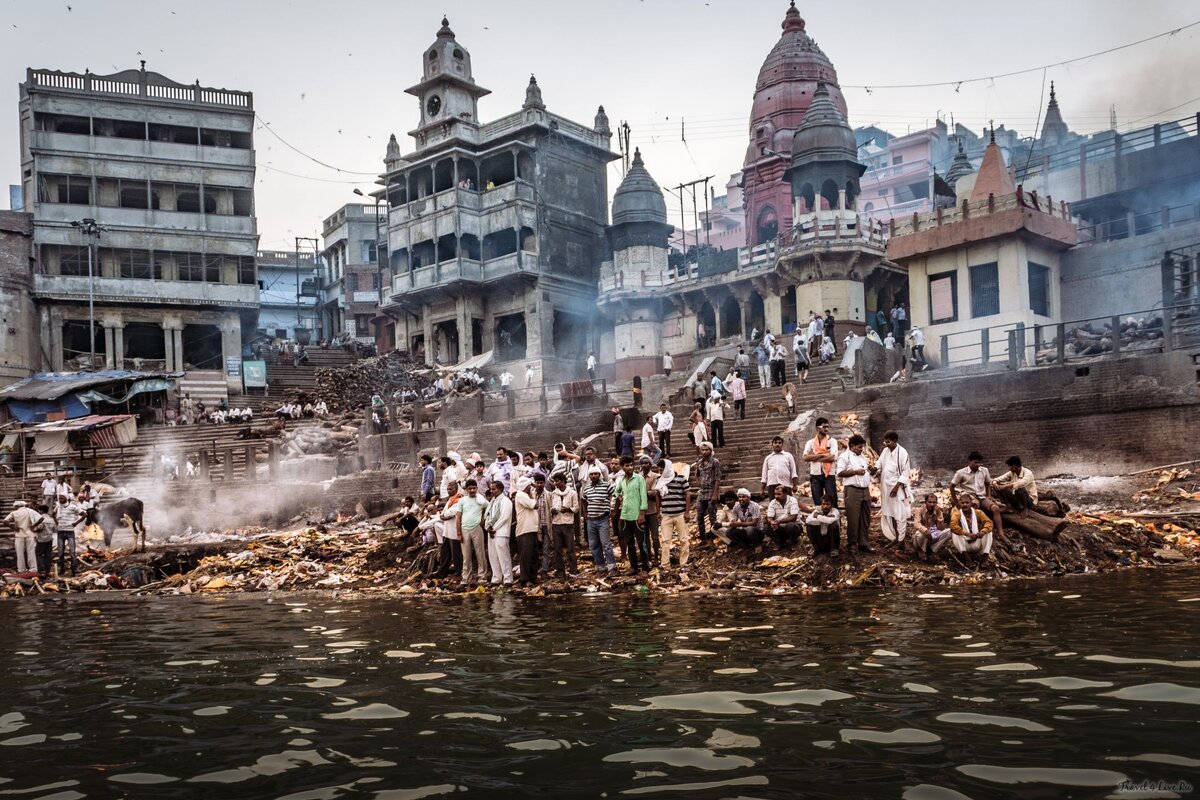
896 498
737 393
820 453
664 420
715 408
451 475
855 472
24 519
976 479
918 351
528 375
506 379
497 523
668 364
591 366
824 530
648 434
779 469
49 491
783 518
1017 488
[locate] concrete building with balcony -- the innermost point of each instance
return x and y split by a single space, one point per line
352 272
288 288
167 172
495 231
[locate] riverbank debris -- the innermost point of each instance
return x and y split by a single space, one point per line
370 557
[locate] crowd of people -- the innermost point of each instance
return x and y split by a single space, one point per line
59 518
522 518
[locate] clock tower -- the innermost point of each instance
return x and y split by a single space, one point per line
448 95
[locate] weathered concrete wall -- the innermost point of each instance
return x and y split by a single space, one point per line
1105 417
18 320
1119 276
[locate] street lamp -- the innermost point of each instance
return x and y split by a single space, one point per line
90 229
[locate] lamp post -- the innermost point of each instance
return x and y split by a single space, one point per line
90 229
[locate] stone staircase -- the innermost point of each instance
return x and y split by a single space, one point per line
749 440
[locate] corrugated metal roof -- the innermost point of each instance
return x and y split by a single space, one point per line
53 385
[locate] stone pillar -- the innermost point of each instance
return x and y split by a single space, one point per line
44 361
177 337
773 313
231 348
56 341
119 345
427 332
169 347
109 362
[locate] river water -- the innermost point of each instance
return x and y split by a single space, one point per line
1043 690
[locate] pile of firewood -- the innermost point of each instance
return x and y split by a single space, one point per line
1097 339
353 385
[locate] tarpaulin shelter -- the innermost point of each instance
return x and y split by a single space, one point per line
70 395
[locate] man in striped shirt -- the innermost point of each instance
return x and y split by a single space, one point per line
708 470
674 494
596 503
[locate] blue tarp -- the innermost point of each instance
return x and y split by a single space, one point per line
37 410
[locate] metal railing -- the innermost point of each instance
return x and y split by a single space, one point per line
1020 345
1109 144
1130 225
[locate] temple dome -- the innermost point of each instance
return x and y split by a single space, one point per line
786 83
638 198
824 134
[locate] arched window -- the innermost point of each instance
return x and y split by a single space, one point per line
829 193
458 54
767 227
433 55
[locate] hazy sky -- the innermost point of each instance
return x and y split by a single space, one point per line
329 76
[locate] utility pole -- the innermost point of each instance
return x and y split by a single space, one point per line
92 231
691 187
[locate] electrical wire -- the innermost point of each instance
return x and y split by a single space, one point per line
271 168
964 81
318 161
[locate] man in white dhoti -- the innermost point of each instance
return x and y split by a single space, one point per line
896 498
970 529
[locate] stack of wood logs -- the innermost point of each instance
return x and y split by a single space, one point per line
1046 522
1096 339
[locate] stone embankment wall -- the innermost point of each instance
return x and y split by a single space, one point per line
1107 416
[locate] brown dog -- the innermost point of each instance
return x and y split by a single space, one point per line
773 408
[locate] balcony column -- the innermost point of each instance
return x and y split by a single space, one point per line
427 332
177 334
456 178
231 349
515 164
517 235
109 362
54 337
118 349
168 347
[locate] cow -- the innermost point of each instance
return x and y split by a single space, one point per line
126 512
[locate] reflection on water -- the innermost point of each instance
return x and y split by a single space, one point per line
975 692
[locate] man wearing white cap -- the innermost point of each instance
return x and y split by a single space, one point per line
596 504
674 495
745 524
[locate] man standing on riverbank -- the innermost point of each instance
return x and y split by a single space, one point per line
708 471
855 472
24 519
428 477
821 454
630 493
893 483
673 508
596 504
564 505
470 531
778 469
498 522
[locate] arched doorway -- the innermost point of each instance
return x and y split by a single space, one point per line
708 318
829 193
731 318
756 315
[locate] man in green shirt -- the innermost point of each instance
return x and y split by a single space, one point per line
470 531
632 502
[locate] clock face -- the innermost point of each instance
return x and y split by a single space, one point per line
433 105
